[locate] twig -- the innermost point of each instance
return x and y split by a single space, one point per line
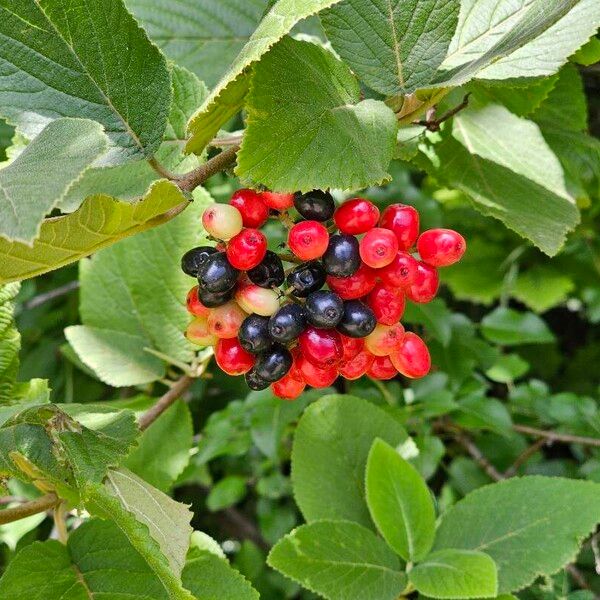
40 299
11 500
162 171
175 392
524 457
60 522
232 140
222 161
558 437
384 391
42 504
577 576
476 454
596 552
434 124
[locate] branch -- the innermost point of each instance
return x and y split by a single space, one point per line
434 124
42 504
558 437
179 388
524 457
477 455
51 295
222 161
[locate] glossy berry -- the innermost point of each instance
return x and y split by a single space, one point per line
232 358
287 323
324 309
323 347
316 376
255 382
378 247
225 321
217 274
441 247
269 272
251 206
356 216
274 363
385 339
403 220
412 358
401 272
192 259
277 201
382 368
197 332
387 303
254 299
355 286
342 257
222 221
308 240
357 366
425 286
247 249
358 320
306 279
193 304
214 299
288 388
352 346
316 205
254 334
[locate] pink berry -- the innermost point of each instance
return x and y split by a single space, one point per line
222 221
357 366
193 304
247 249
308 240
384 339
382 368
441 247
232 358
403 220
425 286
401 272
323 347
225 321
277 201
288 388
254 299
355 286
378 247
197 332
412 358
316 376
387 303
356 216
253 210
351 346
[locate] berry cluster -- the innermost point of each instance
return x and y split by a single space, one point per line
335 311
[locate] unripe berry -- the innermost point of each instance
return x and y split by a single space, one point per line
317 376
357 366
251 206
387 303
323 347
254 299
308 240
378 247
288 388
225 321
385 339
355 286
403 220
352 346
277 201
232 358
222 221
441 247
197 332
356 216
193 304
247 249
412 357
425 286
382 368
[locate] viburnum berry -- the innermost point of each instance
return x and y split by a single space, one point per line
288 388
269 272
192 259
225 321
382 368
387 303
247 249
317 376
342 257
412 357
316 205
193 304
357 366
197 332
356 216
358 320
251 206
214 299
401 272
287 323
324 309
425 286
403 220
306 279
232 358
222 221
352 346
274 363
254 299
277 201
385 339
355 286
378 247
255 382
308 240
323 347
441 247
217 274
254 334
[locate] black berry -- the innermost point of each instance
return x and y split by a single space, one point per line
216 274
255 381
315 206
307 278
269 272
273 364
254 334
287 323
194 258
214 299
324 309
342 257
358 320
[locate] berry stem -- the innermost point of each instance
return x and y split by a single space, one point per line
288 257
221 162
285 218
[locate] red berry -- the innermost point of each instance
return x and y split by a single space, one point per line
412 357
425 286
355 286
323 347
194 306
254 299
387 303
232 358
382 368
246 249
308 240
403 220
441 247
401 272
317 376
288 388
351 346
222 221
225 321
385 339
197 332
356 216
253 210
378 247
278 201
356 367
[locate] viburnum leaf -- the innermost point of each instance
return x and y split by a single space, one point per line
339 560
393 46
352 142
55 71
509 327
10 343
530 526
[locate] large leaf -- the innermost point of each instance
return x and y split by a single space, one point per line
509 327
530 526
99 222
329 456
394 46
83 58
304 110
10 343
340 561
35 182
227 97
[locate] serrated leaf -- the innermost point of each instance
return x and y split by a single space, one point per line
399 502
286 136
121 80
456 574
226 99
331 445
393 46
36 181
509 327
339 560
99 222
530 526
542 287
10 344
588 54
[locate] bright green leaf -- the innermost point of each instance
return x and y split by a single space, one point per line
543 287
477 411
588 54
434 316
508 368
227 492
509 327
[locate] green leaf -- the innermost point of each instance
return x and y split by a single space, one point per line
456 574
477 411
121 80
286 136
340 561
588 54
99 222
543 287
227 98
507 368
434 316
508 327
10 344
35 182
399 502
331 445
394 47
530 526
226 492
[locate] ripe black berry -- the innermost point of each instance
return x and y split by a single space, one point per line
307 278
324 309
269 272
358 320
254 334
194 258
315 206
255 382
216 274
287 323
214 299
342 257
273 364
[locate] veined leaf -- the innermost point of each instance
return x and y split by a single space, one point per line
509 327
10 343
